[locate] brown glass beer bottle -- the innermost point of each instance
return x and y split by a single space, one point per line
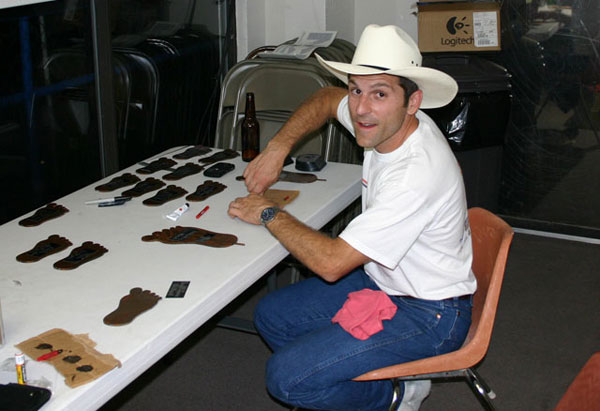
250 130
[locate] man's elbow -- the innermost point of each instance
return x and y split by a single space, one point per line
331 271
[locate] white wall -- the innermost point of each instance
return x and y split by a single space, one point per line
271 22
384 12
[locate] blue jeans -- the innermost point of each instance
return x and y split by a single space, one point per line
314 361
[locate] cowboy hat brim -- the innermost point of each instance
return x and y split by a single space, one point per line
438 87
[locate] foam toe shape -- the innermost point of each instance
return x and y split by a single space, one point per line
165 195
191 235
86 252
121 181
206 190
160 164
193 152
185 170
52 245
220 156
143 187
44 214
132 305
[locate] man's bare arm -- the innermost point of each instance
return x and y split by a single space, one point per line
330 258
264 170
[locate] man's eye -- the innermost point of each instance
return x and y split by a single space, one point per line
356 91
381 94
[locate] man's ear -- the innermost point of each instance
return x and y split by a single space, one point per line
414 102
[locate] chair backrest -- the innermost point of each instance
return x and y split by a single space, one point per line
584 391
491 238
280 87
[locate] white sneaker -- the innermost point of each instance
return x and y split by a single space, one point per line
415 392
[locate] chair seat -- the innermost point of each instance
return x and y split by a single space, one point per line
465 357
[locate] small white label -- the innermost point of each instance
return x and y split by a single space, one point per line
485 29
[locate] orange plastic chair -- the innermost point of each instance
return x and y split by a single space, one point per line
584 391
491 238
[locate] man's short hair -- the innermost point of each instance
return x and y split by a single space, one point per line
409 88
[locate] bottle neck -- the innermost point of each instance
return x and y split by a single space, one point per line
250 109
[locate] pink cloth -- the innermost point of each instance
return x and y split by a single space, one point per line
363 312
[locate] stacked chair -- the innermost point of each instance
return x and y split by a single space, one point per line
163 87
280 86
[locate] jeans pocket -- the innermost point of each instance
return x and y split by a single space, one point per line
428 313
453 330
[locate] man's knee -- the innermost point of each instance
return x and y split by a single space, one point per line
263 311
278 377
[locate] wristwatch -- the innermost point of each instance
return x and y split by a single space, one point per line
268 214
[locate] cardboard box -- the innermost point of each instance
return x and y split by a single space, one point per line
459 27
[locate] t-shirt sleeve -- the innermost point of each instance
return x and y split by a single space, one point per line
343 115
390 225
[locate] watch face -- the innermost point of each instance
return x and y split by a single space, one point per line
268 214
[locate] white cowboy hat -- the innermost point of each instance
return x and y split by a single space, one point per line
390 50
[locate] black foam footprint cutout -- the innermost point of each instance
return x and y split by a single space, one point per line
143 187
206 190
185 170
193 152
162 163
165 195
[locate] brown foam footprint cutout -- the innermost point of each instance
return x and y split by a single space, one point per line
143 187
121 181
53 244
87 251
192 235
293 177
132 305
185 170
205 190
162 163
44 214
220 156
193 152
170 192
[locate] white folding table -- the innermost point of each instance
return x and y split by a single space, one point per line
35 297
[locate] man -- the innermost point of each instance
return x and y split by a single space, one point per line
412 240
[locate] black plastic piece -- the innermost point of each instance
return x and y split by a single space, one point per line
219 169
17 397
310 162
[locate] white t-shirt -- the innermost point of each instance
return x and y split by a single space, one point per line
414 224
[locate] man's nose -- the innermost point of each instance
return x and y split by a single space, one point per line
362 106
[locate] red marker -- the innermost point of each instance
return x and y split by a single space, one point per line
204 210
49 355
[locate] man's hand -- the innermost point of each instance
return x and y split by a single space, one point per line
249 208
264 170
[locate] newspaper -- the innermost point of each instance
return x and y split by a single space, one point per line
303 47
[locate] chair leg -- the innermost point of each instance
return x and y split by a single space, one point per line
272 281
295 275
396 399
481 389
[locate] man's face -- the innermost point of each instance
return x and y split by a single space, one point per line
378 113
